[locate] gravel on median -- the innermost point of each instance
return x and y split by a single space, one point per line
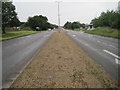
63 64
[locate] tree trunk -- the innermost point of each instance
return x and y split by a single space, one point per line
3 30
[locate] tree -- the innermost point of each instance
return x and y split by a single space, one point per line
9 16
109 19
75 25
82 25
38 21
68 25
52 26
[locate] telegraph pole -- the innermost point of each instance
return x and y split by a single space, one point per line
58 13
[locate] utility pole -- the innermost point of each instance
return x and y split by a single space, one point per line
119 6
58 13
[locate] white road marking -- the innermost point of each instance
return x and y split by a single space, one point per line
98 41
104 43
101 42
46 35
117 61
86 44
111 45
112 54
73 35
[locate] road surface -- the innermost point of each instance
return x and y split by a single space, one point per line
102 49
18 52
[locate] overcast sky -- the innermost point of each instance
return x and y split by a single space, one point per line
70 10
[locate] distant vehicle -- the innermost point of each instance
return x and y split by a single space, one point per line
18 28
49 29
37 28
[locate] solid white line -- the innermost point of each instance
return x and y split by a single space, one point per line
111 54
117 61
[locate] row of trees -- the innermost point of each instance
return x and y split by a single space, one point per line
109 19
10 19
73 25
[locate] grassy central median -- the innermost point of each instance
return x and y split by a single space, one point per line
16 33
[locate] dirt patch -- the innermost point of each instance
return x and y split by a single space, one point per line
63 64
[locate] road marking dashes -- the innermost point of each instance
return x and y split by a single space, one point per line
104 43
98 41
111 45
116 56
46 36
73 35
117 61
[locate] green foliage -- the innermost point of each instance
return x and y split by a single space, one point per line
83 25
52 26
105 31
39 21
107 19
9 16
74 25
68 25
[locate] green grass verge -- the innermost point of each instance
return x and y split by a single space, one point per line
14 34
105 31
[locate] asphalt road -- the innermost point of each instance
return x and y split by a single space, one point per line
103 50
16 53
